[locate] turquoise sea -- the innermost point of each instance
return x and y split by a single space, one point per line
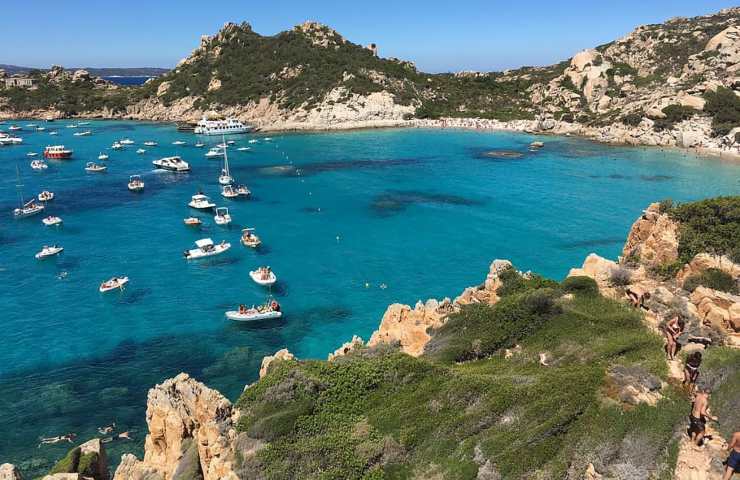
350 221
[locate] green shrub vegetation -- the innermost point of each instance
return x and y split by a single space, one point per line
580 285
724 107
673 115
378 413
711 278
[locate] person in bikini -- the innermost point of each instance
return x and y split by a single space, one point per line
672 329
699 416
733 461
691 370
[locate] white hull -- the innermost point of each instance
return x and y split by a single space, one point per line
27 212
251 317
50 222
222 219
202 205
49 252
257 277
119 286
197 253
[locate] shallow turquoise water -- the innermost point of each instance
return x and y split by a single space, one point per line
411 213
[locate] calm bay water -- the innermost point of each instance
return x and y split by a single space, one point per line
350 222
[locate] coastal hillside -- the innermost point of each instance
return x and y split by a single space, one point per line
672 84
518 377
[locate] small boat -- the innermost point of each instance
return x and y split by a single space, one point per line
49 251
172 164
193 221
31 125
214 152
72 125
268 311
51 220
86 133
206 248
230 142
83 123
113 284
221 145
116 146
178 142
6 139
93 167
39 165
31 154
28 209
243 149
46 196
243 191
222 216
268 139
40 129
150 144
57 152
200 145
126 141
254 140
249 239
140 151
229 192
201 202
135 183
54 133
263 276
103 156
14 128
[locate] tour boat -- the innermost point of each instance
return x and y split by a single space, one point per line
206 248
220 127
268 311
140 151
193 221
31 154
86 133
93 167
25 209
46 196
228 192
201 202
263 276
172 164
49 251
200 145
214 152
249 239
150 144
115 283
178 142
51 221
135 183
6 139
103 156
222 216
57 152
243 191
126 141
39 165
116 146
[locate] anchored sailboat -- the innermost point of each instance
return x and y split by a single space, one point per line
225 178
25 209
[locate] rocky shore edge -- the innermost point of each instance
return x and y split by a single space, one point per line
190 424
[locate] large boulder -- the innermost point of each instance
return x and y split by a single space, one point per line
280 355
80 76
598 268
717 309
8 471
705 261
653 238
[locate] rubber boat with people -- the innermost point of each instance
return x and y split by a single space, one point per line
39 165
49 251
250 239
268 311
222 216
206 248
193 222
51 220
93 167
263 276
115 283
135 183
45 196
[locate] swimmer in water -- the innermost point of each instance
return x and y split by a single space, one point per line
107 429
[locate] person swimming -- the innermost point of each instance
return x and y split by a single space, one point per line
70 437
107 429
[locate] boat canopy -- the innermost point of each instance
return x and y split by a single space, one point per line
204 242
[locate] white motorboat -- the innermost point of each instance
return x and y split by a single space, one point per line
254 140
86 133
220 127
250 239
178 143
115 283
268 311
263 276
229 192
93 167
222 216
126 141
49 251
140 151
230 142
39 165
116 146
103 156
40 129
206 248
135 183
32 154
222 145
14 128
83 123
51 220
6 139
201 202
25 209
242 191
31 125
243 149
54 133
200 145
150 144
214 152
172 164
193 222
46 196
72 125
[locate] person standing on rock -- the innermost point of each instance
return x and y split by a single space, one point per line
699 416
691 370
733 461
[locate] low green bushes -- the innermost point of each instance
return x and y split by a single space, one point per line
580 285
710 226
713 278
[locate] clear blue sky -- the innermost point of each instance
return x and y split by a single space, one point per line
439 35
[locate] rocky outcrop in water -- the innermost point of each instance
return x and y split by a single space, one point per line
653 238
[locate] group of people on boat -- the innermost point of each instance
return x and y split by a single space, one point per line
264 272
272 306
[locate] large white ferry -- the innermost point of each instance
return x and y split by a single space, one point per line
220 127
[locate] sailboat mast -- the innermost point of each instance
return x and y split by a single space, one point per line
226 156
19 185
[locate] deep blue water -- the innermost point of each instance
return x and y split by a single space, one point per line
350 221
128 80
